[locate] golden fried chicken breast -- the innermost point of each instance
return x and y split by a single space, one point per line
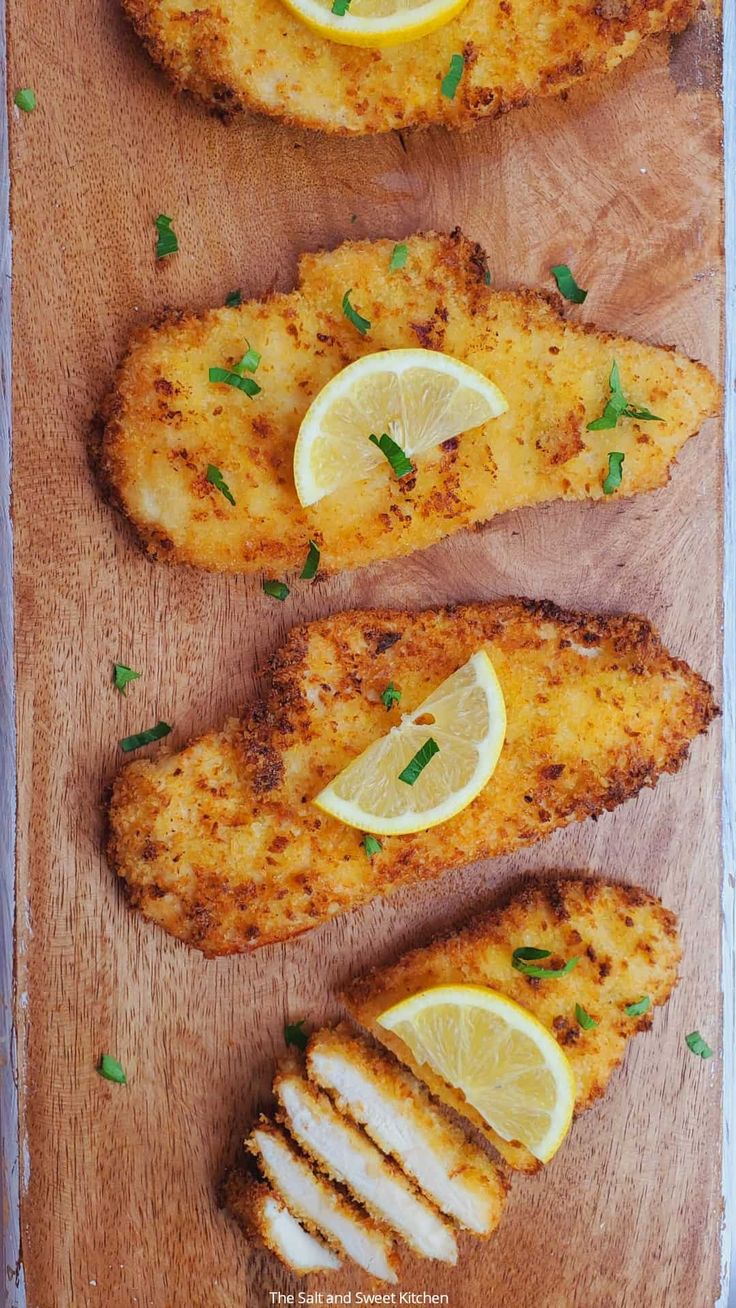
165 424
319 1204
628 948
241 54
348 1156
395 1110
264 1217
221 844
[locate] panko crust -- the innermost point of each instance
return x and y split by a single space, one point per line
163 423
221 845
236 54
628 945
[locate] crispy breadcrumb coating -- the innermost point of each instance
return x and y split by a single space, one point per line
164 423
221 844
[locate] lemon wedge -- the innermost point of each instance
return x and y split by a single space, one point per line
506 1064
432 764
419 398
375 23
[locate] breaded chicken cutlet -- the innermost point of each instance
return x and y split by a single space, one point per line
396 1112
165 424
628 948
320 1204
236 54
221 844
264 1217
378 1129
349 1157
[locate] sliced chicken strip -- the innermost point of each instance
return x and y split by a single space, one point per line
396 1112
347 1155
318 1203
264 1216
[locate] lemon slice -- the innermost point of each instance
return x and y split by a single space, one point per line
376 23
418 397
466 718
505 1063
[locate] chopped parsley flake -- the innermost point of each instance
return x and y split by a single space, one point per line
111 1069
453 76
361 324
399 256
584 1019
372 846
234 300
567 285
697 1045
216 479
26 100
641 1006
522 961
618 406
418 763
390 695
166 243
142 738
312 563
122 676
229 377
276 589
294 1034
613 480
401 465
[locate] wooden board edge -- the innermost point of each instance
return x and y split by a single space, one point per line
728 983
10 1164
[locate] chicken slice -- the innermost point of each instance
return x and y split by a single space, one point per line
347 1155
319 1204
396 1112
264 1216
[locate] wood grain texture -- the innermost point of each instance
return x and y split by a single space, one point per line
624 183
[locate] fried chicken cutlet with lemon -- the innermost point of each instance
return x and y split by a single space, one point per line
627 951
236 54
222 844
206 473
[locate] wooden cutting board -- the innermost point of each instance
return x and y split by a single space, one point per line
622 181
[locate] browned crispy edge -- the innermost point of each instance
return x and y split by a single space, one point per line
479 103
464 258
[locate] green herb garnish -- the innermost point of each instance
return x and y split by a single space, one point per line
399 256
166 243
697 1045
216 479
276 589
401 465
521 960
390 695
111 1069
641 1006
340 7
452 78
361 324
294 1034
234 300
371 845
122 676
418 763
310 567
567 285
614 477
249 362
584 1019
26 100
231 378
618 406
487 276
142 738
